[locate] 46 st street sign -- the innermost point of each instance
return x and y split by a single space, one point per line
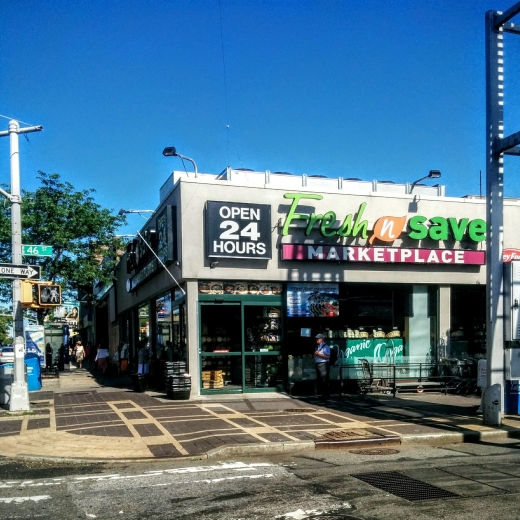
24 272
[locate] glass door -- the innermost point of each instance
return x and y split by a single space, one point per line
221 347
262 347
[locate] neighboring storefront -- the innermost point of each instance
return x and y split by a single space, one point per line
257 264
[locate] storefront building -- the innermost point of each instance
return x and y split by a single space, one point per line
247 267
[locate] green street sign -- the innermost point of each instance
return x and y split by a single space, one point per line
37 250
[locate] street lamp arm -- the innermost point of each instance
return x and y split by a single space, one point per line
414 183
191 161
11 198
26 130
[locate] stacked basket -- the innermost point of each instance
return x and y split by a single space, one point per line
178 382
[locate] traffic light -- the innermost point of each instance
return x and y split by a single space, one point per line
48 295
28 299
38 295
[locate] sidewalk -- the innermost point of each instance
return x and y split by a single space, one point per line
80 416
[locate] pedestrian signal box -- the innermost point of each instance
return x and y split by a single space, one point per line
37 295
48 295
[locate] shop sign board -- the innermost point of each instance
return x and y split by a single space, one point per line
511 254
385 229
378 350
238 230
166 224
392 255
313 300
240 288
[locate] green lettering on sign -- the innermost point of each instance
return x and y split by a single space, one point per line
419 226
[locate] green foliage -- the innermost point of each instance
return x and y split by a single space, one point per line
5 324
79 230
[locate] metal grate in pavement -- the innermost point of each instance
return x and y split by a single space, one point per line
404 487
299 410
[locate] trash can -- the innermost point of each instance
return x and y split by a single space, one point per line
6 379
34 372
511 397
139 382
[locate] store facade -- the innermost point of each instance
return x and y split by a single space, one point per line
249 266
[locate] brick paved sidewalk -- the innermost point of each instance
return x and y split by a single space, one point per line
79 417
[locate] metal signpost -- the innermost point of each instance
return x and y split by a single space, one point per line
19 400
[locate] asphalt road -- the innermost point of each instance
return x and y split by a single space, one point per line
483 480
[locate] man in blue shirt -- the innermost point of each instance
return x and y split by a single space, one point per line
321 358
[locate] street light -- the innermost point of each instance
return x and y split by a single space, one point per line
434 174
170 151
138 211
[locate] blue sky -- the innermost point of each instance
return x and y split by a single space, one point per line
376 89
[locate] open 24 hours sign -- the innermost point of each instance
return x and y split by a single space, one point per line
238 230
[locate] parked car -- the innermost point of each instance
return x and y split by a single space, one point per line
6 354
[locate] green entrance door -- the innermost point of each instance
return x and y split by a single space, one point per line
240 347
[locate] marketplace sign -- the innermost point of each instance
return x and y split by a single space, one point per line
390 255
386 228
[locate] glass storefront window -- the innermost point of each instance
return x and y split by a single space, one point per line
263 371
468 322
144 323
163 309
221 328
221 372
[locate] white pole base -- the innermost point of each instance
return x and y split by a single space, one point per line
19 401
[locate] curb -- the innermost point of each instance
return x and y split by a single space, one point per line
261 448
422 439
440 439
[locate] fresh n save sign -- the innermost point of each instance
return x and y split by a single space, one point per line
385 229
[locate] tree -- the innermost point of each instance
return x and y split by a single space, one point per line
80 231
5 327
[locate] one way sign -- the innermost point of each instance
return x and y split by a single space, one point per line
24 272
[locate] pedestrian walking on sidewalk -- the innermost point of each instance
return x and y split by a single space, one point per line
143 359
321 358
80 354
102 358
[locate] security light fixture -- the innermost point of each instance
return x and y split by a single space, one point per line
434 174
171 151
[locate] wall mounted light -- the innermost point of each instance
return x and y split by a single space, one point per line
213 264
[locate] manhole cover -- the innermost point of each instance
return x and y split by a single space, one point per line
375 451
299 410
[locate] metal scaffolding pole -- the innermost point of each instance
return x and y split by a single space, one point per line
496 147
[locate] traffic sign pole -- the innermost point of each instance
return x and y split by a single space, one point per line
19 400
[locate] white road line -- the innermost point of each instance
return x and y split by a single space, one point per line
19 500
232 466
215 480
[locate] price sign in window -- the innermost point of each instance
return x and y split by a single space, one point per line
238 230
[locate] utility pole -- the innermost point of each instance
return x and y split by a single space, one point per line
19 400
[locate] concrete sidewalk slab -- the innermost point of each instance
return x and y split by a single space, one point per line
84 417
